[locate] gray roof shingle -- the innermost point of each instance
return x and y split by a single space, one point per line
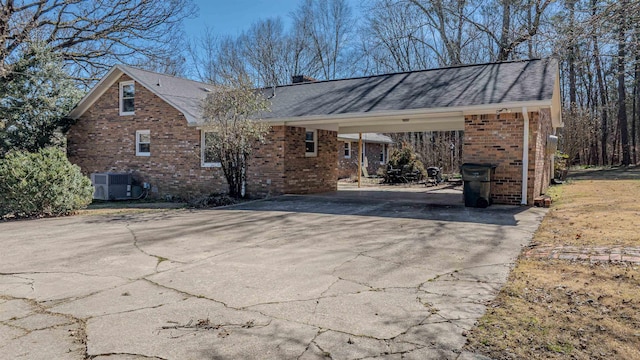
462 86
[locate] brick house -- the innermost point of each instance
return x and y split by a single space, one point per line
150 124
375 153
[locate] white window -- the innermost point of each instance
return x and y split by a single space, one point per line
127 96
207 158
384 154
347 150
143 143
311 143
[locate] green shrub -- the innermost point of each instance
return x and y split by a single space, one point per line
41 184
406 163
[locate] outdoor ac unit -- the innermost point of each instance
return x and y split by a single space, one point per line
111 186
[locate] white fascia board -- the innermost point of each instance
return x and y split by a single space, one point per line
96 92
404 127
340 118
364 139
556 104
444 112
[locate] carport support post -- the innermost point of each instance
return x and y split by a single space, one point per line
359 159
525 156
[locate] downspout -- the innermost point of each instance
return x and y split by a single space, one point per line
525 156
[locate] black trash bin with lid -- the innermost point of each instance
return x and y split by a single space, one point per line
477 184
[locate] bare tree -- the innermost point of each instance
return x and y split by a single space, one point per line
327 24
229 113
91 34
265 50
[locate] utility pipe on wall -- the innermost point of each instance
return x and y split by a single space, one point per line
525 156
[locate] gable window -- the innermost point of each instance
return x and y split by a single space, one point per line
143 143
207 158
311 143
347 150
127 97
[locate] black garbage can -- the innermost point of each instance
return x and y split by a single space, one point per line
477 184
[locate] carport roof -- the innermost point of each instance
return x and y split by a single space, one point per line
452 87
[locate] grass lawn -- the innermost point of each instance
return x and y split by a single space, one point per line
557 309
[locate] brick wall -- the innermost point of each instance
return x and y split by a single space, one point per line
265 174
348 167
541 122
104 141
306 175
497 139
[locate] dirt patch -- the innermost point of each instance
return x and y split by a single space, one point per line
555 309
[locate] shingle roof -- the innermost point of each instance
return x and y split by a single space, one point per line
453 87
462 86
184 94
367 137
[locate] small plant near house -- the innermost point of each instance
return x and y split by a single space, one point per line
229 114
561 165
43 183
404 166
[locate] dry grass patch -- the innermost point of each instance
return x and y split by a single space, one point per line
553 309
593 213
558 310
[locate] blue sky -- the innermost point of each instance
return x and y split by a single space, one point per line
230 17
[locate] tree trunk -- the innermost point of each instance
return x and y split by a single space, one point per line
622 94
604 131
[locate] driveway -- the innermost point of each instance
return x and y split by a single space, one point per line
293 277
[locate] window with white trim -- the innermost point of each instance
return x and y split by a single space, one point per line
127 97
384 154
207 158
347 150
143 143
311 143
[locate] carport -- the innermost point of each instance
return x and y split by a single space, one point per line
508 112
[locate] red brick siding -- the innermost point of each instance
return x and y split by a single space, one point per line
306 175
497 139
539 155
265 174
349 167
104 141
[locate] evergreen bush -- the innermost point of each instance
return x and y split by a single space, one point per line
43 183
406 164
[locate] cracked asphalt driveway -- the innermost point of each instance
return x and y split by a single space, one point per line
293 277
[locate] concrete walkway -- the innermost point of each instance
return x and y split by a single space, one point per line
588 254
293 277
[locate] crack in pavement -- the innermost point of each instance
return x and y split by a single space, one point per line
80 335
159 258
126 354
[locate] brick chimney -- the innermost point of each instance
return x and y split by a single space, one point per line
299 79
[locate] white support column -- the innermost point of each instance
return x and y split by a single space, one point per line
525 156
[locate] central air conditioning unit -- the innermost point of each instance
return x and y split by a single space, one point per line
111 186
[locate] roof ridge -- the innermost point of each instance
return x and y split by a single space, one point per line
165 75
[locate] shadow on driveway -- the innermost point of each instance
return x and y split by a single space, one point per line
444 206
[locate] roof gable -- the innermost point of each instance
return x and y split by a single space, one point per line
183 94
